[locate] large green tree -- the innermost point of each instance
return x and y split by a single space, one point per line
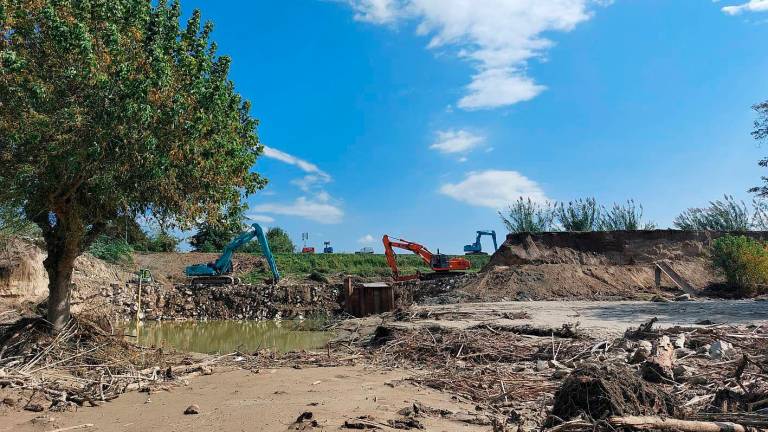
213 235
110 108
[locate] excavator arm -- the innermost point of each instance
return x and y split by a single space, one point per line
416 248
223 265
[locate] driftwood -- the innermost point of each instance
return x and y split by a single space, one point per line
660 423
659 366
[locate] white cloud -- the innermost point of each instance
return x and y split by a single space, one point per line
315 176
319 210
456 141
309 181
750 6
376 11
493 188
498 37
366 239
260 218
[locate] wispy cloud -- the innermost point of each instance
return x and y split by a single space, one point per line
750 6
260 218
318 206
498 37
366 239
305 166
312 209
314 177
457 141
376 11
493 188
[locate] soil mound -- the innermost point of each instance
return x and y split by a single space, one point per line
24 279
612 265
21 269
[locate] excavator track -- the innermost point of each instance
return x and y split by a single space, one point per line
214 280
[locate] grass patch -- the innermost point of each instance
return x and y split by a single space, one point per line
112 250
352 264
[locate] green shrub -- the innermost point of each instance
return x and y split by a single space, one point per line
528 216
162 242
624 217
743 261
725 215
115 251
579 215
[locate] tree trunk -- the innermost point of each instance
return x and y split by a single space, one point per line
59 264
66 237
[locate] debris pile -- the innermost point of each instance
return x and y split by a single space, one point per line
84 363
558 378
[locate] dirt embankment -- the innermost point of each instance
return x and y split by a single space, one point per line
168 267
24 279
595 265
103 288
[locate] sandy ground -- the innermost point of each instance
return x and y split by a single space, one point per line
270 400
598 319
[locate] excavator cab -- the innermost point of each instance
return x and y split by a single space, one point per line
439 262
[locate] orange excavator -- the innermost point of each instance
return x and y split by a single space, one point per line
441 264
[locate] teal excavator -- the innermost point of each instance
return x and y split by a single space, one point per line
219 272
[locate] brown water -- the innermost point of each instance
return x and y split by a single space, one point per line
228 336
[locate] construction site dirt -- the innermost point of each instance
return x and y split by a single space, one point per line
600 343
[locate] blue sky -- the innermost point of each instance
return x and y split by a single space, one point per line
422 118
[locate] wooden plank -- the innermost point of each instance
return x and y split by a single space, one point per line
678 280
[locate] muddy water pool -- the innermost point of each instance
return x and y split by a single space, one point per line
227 336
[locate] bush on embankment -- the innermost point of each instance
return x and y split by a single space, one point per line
744 263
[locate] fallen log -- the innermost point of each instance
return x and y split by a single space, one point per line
661 423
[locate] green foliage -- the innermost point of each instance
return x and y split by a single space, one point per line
364 265
279 242
128 229
110 107
743 261
725 215
115 251
578 215
528 216
760 133
214 235
13 222
624 217
162 242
